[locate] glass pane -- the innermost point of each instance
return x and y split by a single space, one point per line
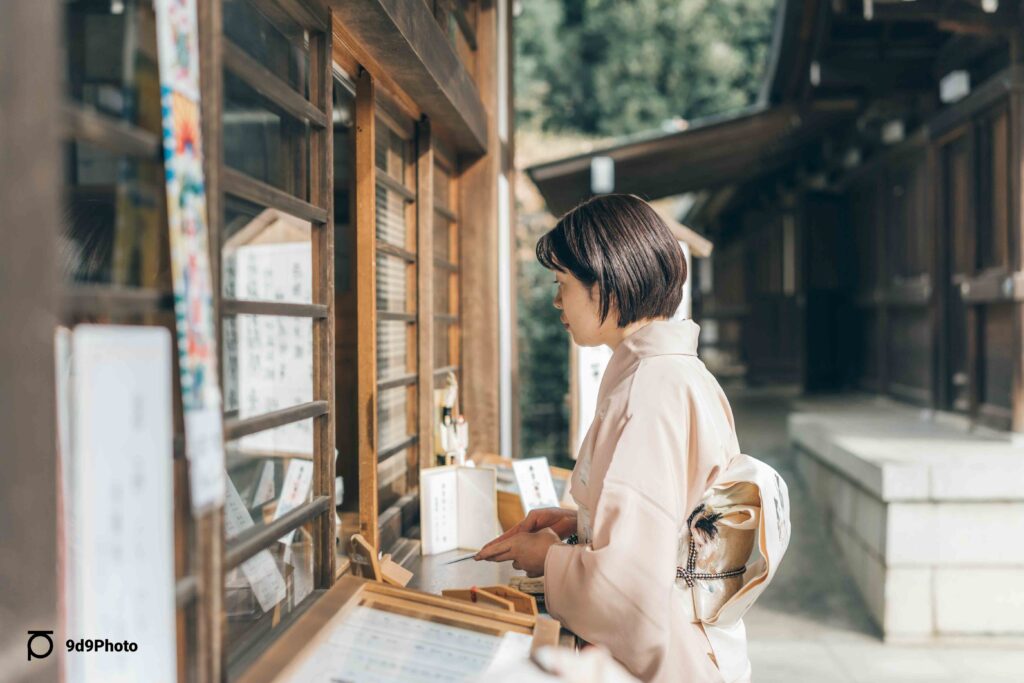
392 349
344 185
274 581
267 254
391 226
268 365
390 151
441 187
114 229
262 142
392 283
441 340
99 36
442 237
997 360
278 46
392 422
442 281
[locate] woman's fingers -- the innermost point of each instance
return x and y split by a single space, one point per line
493 549
505 555
490 548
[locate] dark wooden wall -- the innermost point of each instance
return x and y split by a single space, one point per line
904 280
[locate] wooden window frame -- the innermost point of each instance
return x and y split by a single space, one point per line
199 582
217 53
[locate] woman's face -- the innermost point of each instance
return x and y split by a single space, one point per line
581 311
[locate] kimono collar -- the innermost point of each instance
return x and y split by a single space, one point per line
658 338
662 337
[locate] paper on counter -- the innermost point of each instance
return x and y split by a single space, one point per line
374 646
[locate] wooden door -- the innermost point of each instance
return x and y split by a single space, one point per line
957 267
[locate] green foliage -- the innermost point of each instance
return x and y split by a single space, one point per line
543 367
614 67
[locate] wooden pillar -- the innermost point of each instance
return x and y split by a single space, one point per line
366 307
1016 233
208 563
425 295
509 165
478 243
321 194
30 195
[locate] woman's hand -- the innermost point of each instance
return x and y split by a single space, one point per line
526 550
562 522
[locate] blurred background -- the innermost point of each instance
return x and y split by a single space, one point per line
854 170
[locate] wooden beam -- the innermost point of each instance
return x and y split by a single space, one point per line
279 94
208 555
366 308
958 52
404 40
236 428
478 236
287 11
465 27
321 194
949 17
425 290
276 308
246 187
88 125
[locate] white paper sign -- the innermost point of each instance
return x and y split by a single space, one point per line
260 570
275 353
298 480
458 508
536 488
265 489
120 483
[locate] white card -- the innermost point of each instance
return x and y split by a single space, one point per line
260 570
205 448
458 508
478 507
265 489
536 488
298 479
121 485
439 510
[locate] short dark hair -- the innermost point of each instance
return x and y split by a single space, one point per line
619 242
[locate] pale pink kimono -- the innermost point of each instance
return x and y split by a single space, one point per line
662 431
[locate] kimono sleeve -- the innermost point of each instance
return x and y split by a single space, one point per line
617 591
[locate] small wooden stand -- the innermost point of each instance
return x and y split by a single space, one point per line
504 598
385 570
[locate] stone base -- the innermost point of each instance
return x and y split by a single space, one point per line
929 519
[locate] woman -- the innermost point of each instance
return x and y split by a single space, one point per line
662 431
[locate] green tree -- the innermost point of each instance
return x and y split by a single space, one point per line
615 67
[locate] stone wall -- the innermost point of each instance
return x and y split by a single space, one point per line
929 519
